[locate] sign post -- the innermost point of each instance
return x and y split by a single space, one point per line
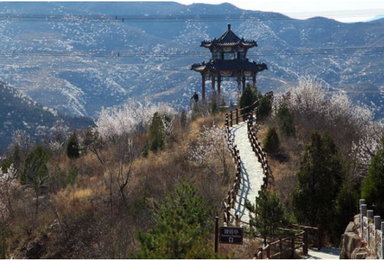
216 234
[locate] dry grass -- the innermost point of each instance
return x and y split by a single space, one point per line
284 165
85 211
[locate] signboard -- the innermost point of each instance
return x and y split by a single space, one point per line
231 235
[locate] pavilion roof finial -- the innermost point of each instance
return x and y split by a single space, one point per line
229 27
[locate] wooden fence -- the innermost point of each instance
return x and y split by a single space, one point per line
231 118
304 238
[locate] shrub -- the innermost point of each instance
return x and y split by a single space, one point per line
285 120
71 178
35 172
183 224
156 133
73 147
248 97
265 108
271 142
269 214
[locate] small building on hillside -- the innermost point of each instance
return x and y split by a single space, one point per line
228 62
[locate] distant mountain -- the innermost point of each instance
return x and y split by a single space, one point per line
377 17
18 112
77 57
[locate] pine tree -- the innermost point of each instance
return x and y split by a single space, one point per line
156 133
267 215
248 97
183 224
264 108
285 120
183 119
373 184
73 147
35 172
271 142
319 180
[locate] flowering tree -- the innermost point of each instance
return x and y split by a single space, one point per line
211 146
350 125
131 117
8 182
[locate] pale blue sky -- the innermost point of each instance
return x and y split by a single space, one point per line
341 10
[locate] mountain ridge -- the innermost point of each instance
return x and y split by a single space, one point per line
80 56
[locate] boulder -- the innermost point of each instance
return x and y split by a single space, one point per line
349 242
359 253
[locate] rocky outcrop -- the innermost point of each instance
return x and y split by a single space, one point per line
350 242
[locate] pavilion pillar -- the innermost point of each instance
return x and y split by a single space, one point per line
254 80
203 86
238 84
243 83
218 84
213 82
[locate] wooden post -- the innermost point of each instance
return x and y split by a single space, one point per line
243 83
268 251
238 84
203 87
305 238
261 252
213 82
219 84
229 214
231 117
216 234
293 247
237 220
237 116
319 238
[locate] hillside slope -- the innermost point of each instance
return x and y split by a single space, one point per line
18 112
79 56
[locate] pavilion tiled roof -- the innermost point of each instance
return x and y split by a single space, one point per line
229 38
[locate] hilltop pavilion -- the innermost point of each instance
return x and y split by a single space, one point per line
228 62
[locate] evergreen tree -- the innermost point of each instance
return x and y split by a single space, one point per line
264 108
248 97
267 215
373 184
73 147
345 208
271 142
71 178
319 180
285 120
156 133
183 119
35 172
183 222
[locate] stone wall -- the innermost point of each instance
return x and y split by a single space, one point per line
363 237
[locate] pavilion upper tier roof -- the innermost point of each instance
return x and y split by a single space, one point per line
229 38
223 65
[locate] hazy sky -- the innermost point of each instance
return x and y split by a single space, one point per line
341 10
